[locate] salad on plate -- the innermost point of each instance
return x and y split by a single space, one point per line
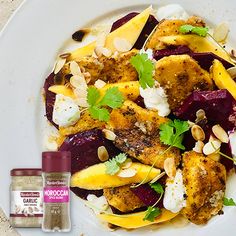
148 112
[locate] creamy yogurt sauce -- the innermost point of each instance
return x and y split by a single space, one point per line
174 199
172 11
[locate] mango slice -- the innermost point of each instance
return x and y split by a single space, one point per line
130 89
196 43
222 78
95 177
129 31
135 220
62 89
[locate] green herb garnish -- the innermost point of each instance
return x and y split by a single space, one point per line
172 133
229 202
152 213
113 165
113 98
201 31
145 68
157 187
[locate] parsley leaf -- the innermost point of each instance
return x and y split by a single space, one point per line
229 202
112 98
113 165
101 114
145 68
152 213
92 96
157 187
171 133
201 31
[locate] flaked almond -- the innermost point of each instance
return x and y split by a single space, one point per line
99 84
232 71
169 167
65 55
74 68
220 133
82 102
78 82
97 51
122 44
102 153
197 133
127 173
110 135
127 164
221 32
59 65
200 115
198 146
106 52
158 177
80 92
214 156
211 147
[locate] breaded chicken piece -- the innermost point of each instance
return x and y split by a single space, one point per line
180 75
170 27
204 180
137 134
118 68
147 148
122 198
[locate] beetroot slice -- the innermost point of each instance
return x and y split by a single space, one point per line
147 195
225 148
49 98
83 147
218 106
117 24
205 59
83 193
147 29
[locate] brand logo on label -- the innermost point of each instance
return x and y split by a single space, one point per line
30 194
56 194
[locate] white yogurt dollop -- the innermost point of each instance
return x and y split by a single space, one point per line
98 204
65 112
156 98
174 193
172 11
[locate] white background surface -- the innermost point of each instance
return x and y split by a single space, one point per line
28 47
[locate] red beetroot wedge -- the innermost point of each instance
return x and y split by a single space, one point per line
83 147
218 106
147 195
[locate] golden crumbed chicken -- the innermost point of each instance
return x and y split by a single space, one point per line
180 75
122 198
170 27
204 180
137 134
118 68
86 122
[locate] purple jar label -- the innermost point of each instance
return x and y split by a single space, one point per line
56 194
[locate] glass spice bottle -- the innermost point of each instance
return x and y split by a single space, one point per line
26 207
56 167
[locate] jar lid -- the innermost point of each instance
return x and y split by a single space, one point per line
26 172
59 161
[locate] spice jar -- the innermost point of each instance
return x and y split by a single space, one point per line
56 167
26 208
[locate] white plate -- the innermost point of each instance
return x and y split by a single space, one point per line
28 47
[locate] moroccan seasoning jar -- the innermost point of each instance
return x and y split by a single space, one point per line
26 207
56 167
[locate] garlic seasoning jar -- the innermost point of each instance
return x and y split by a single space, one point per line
26 208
